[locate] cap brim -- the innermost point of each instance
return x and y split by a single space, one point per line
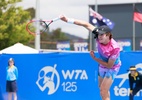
101 32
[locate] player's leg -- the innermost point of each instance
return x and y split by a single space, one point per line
100 79
104 83
108 76
101 88
104 88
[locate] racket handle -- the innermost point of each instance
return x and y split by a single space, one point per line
55 19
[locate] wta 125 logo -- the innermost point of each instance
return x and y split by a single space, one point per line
48 77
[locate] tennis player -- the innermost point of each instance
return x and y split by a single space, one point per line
11 78
109 51
135 82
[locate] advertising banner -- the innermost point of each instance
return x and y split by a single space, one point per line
125 44
63 45
81 46
65 76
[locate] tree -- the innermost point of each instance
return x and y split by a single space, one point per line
50 39
13 21
58 35
32 12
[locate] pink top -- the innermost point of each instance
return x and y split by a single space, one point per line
109 51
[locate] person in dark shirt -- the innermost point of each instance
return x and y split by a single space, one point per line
135 82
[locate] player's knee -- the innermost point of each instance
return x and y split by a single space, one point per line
103 91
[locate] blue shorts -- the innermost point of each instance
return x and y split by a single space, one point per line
105 72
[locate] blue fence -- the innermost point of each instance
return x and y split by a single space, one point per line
65 76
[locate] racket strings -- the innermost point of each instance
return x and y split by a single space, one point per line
39 26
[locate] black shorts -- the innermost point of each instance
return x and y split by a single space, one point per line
11 86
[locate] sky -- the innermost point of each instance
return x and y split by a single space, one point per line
50 9
77 9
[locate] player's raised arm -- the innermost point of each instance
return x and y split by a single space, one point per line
85 24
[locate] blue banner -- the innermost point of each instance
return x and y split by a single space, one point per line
125 44
65 76
64 45
80 46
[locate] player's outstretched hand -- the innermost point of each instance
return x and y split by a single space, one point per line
63 18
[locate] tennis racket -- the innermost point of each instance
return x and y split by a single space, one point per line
41 24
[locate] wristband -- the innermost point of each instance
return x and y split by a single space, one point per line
70 20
